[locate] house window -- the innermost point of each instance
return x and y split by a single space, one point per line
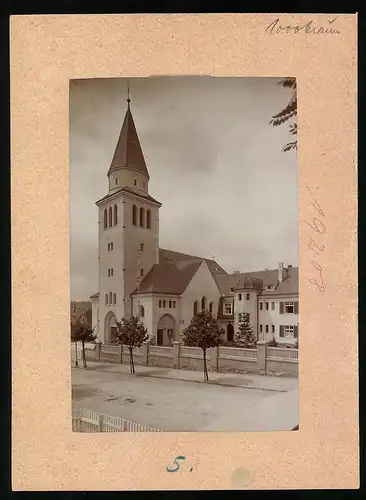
116 181
142 217
261 306
195 308
142 311
164 303
289 308
109 273
110 298
111 246
266 306
248 296
110 216
159 303
239 296
115 215
173 304
141 273
228 308
148 219
134 182
273 329
261 328
114 299
266 328
106 299
231 290
289 331
105 218
170 304
141 247
211 307
134 215
273 306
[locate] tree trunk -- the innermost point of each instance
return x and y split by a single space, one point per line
76 354
132 366
84 355
205 365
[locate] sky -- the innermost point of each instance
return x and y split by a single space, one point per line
215 163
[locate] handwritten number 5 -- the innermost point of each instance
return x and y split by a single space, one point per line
169 469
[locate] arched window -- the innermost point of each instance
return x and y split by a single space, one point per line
134 215
105 218
106 299
148 219
211 307
110 216
195 308
239 296
114 299
110 298
115 215
142 217
142 311
203 304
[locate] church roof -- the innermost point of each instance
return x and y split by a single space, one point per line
128 152
174 272
289 285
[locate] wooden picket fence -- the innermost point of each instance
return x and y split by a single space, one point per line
84 420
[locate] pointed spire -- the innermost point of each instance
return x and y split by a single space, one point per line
128 152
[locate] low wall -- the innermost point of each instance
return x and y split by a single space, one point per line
263 359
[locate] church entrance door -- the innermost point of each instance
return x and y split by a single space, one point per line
159 339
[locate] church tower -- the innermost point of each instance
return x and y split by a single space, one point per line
128 230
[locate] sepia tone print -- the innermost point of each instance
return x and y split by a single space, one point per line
184 280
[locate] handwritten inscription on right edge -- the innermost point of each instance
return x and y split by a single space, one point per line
316 245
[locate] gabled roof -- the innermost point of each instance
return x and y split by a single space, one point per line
174 272
168 277
128 152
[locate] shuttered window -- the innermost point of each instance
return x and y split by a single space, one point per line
296 308
282 306
296 332
282 331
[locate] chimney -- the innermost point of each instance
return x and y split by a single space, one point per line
280 272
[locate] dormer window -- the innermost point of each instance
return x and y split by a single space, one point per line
116 181
231 290
228 308
135 182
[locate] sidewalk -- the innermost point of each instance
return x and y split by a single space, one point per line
247 381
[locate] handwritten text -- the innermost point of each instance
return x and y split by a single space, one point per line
316 246
275 28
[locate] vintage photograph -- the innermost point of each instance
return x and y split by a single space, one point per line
184 300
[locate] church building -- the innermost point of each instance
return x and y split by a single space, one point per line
167 288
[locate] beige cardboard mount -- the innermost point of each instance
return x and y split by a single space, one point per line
48 51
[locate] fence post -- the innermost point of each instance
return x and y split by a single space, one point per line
100 422
97 352
261 357
214 360
176 352
145 350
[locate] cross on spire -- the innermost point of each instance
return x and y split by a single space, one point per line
128 93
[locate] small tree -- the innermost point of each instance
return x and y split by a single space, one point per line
81 331
272 343
202 332
245 337
132 333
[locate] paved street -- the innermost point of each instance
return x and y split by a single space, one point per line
183 405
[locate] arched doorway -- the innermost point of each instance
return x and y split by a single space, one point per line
230 332
166 330
110 328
